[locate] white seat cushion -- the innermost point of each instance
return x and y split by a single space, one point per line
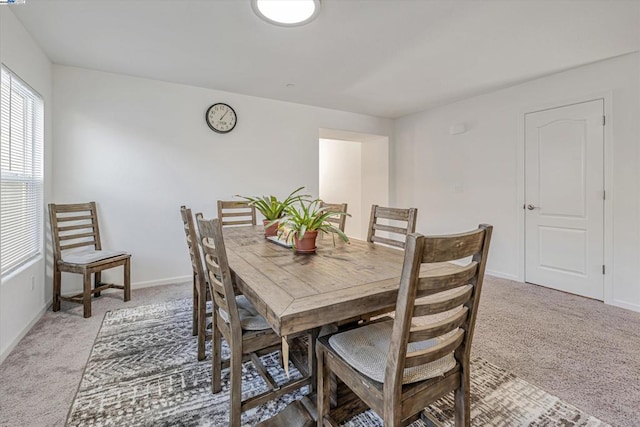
89 256
250 320
366 349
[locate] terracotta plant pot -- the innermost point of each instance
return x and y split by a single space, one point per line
308 243
271 230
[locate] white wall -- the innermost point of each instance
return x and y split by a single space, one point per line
20 305
459 181
375 178
140 148
341 179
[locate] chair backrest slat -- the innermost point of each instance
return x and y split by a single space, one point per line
341 220
454 247
76 245
436 329
77 236
221 284
235 209
397 234
447 292
441 302
390 242
80 230
438 282
439 350
74 218
390 228
393 213
64 228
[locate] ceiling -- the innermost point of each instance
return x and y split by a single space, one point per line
386 58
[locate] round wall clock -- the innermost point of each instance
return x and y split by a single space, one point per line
221 118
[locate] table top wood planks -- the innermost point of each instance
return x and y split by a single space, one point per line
296 293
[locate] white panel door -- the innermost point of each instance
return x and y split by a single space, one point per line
564 198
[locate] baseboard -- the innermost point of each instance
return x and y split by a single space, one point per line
24 332
140 285
169 281
502 275
625 305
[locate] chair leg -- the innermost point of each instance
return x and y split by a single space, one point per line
57 278
127 280
216 358
86 294
463 402
194 325
202 324
235 400
97 279
313 361
324 388
392 417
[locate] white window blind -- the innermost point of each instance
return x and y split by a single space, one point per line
21 180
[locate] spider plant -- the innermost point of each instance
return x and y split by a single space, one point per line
272 208
308 216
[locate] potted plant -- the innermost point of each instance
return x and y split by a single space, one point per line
273 209
302 223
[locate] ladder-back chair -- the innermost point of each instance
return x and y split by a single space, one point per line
407 216
247 333
398 367
338 221
236 213
200 288
75 226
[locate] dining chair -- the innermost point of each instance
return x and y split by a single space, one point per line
201 292
339 221
398 367
232 212
77 249
247 333
407 217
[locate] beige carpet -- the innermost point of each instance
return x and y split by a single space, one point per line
580 350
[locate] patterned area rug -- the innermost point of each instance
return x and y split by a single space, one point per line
143 370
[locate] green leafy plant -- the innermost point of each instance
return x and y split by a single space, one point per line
308 216
273 209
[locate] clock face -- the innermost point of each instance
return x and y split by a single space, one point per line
221 118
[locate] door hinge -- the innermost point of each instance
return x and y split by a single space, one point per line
603 269
604 120
604 194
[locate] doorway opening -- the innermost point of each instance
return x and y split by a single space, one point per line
354 169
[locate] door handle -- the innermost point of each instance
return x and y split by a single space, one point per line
531 207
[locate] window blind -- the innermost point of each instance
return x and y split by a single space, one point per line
21 178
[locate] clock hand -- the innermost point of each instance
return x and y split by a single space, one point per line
225 113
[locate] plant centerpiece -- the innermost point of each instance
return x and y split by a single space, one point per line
273 209
301 225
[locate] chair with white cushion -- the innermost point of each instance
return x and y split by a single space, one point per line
339 220
403 224
247 333
77 249
398 367
233 212
200 288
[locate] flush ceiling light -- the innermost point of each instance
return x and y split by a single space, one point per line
286 13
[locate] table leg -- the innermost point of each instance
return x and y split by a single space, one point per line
312 361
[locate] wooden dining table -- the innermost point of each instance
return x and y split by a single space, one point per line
297 293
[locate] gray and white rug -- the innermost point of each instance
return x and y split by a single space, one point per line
143 370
